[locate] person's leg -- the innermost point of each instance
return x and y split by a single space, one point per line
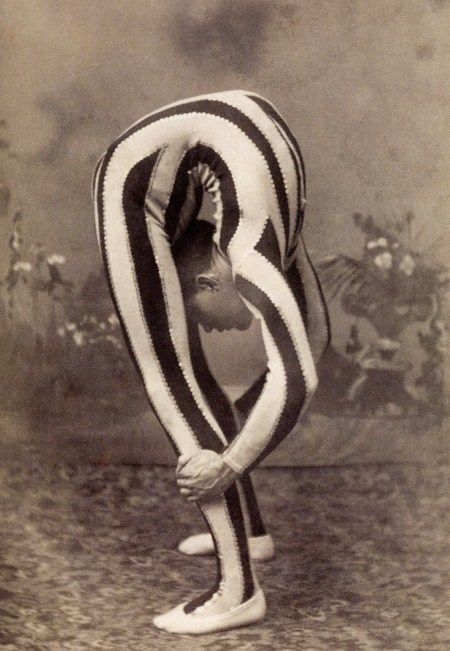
236 598
149 315
236 588
260 543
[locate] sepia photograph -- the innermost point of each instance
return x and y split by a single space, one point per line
224 308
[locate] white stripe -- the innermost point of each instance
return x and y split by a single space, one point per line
263 420
240 162
125 288
289 139
155 205
258 270
247 165
219 96
280 148
216 513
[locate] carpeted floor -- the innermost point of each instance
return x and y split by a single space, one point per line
87 558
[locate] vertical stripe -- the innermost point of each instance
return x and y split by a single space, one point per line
223 522
261 272
286 158
297 158
173 304
294 379
100 221
257 527
217 400
265 416
222 412
273 113
206 596
154 305
234 507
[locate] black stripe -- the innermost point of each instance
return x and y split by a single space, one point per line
235 116
268 247
178 197
217 400
295 282
324 303
154 303
295 382
237 519
247 401
269 109
206 596
257 527
100 203
292 142
300 211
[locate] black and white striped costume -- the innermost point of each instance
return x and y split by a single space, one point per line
241 151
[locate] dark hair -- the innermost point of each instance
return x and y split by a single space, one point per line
192 252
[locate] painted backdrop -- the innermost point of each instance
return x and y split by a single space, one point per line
364 87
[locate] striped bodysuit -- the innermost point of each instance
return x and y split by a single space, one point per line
238 148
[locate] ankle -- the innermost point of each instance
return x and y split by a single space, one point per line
223 600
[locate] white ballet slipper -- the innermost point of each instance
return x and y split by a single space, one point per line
199 544
261 548
196 623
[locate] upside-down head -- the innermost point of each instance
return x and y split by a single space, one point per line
206 279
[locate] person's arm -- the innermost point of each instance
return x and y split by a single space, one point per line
289 383
291 378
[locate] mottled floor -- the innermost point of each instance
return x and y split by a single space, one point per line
87 557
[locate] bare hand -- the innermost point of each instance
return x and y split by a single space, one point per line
203 475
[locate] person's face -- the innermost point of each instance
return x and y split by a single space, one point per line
216 303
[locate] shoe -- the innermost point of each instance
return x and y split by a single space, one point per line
177 621
261 548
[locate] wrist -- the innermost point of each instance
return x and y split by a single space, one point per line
231 466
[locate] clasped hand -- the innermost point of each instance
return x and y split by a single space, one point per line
203 475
